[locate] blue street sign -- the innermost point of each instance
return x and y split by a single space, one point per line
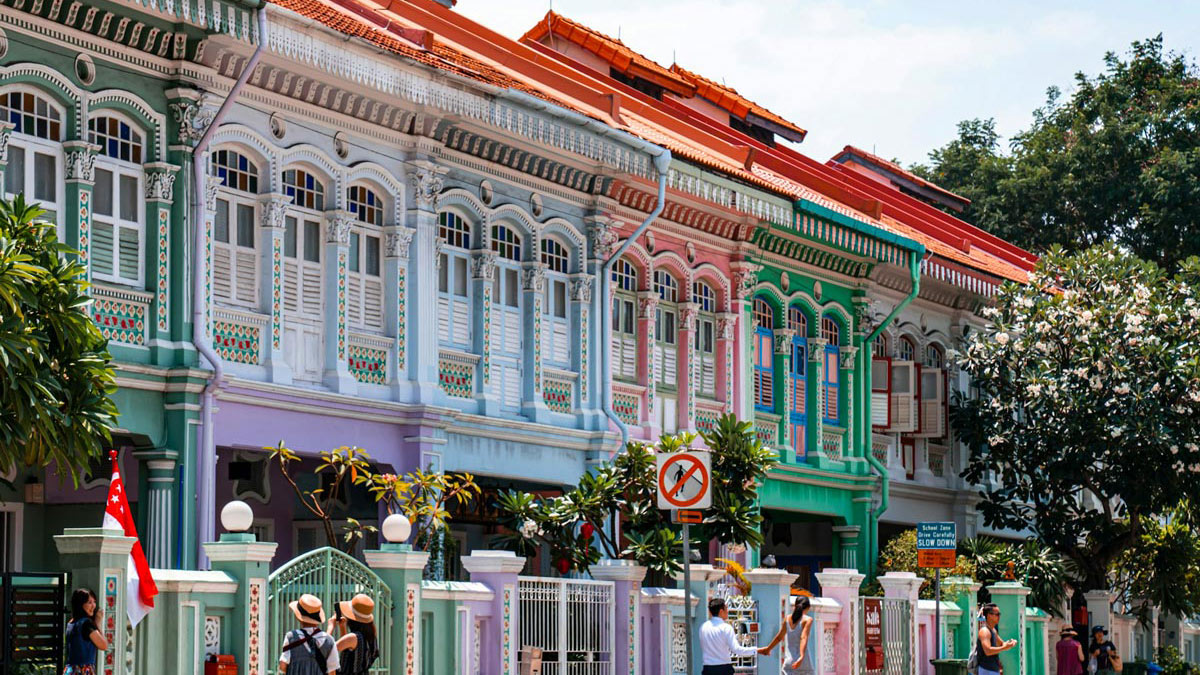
937 536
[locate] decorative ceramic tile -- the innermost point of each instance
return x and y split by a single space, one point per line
120 320
557 394
627 408
706 420
368 365
236 342
164 221
456 378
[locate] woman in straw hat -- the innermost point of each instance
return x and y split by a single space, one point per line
308 650
355 619
1069 653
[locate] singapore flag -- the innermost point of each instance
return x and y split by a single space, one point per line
141 589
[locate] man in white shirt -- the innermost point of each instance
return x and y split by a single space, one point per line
718 641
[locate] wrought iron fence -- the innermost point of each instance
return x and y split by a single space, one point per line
571 620
332 576
34 615
896 635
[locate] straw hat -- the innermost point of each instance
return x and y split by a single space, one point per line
308 610
1067 631
360 608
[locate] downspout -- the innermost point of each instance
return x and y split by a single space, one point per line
914 270
206 450
662 162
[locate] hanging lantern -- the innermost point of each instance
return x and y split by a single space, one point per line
564 565
587 530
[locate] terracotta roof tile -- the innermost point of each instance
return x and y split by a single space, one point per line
612 51
893 167
729 99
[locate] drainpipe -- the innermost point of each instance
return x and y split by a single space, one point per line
662 161
206 450
914 270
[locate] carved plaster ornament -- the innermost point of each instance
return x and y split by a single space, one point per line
647 304
80 161
745 279
193 120
483 265
847 355
5 132
337 231
427 185
396 242
726 325
535 278
274 206
783 340
604 238
816 349
160 185
688 312
581 289
438 245
210 196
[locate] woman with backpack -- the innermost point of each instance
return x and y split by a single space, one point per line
84 636
308 650
358 644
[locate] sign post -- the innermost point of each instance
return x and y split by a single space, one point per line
685 488
937 547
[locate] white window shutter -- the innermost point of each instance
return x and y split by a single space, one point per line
443 319
903 397
246 268
291 286
128 253
311 282
102 248
222 272
373 303
462 322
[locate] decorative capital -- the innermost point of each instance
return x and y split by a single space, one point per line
483 265
337 227
426 181
647 304
745 278
783 340
688 311
5 131
210 196
81 160
816 349
603 236
192 118
847 355
864 316
581 289
438 245
535 278
160 182
726 326
396 242
273 208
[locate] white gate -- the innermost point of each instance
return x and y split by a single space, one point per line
571 620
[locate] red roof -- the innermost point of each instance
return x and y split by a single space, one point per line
737 105
895 168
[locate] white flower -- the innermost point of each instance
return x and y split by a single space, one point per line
1174 449
1116 432
1194 395
1002 338
1192 447
1035 389
997 439
1086 316
1161 318
1122 388
1042 327
530 529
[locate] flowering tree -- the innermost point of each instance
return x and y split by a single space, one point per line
1088 412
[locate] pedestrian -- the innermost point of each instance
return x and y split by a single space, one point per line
84 636
799 646
989 645
718 642
358 644
308 650
1069 653
1104 652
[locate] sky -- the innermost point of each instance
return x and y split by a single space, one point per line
890 76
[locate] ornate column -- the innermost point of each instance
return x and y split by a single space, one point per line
498 570
397 240
1010 597
533 289
647 310
160 193
627 594
846 360
688 366
77 219
270 282
816 395
400 568
157 493
847 543
602 239
729 368
421 347
771 588
249 562
483 274
745 278
5 132
98 558
841 585
581 327
337 257
783 380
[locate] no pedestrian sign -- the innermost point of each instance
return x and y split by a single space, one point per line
936 544
684 480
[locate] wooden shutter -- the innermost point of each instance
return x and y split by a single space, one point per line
933 403
903 397
881 389
102 248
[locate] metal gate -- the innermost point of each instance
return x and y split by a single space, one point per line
571 620
34 615
894 620
332 576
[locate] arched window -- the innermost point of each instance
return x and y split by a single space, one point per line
365 275
624 325
454 302
934 356
933 411
879 348
764 355
666 356
798 380
881 382
507 320
831 333
302 271
906 349
235 256
555 330
118 206
306 190
35 164
706 348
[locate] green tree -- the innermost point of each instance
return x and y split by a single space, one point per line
1089 409
1043 570
1161 565
1116 160
572 526
56 376
900 555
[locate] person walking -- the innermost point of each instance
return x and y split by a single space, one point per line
308 650
1104 652
1069 653
795 631
989 644
84 636
358 644
718 641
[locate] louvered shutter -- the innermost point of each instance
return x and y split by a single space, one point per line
291 285
102 248
933 403
246 269
354 299
128 252
444 320
373 303
461 322
881 387
903 397
222 272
